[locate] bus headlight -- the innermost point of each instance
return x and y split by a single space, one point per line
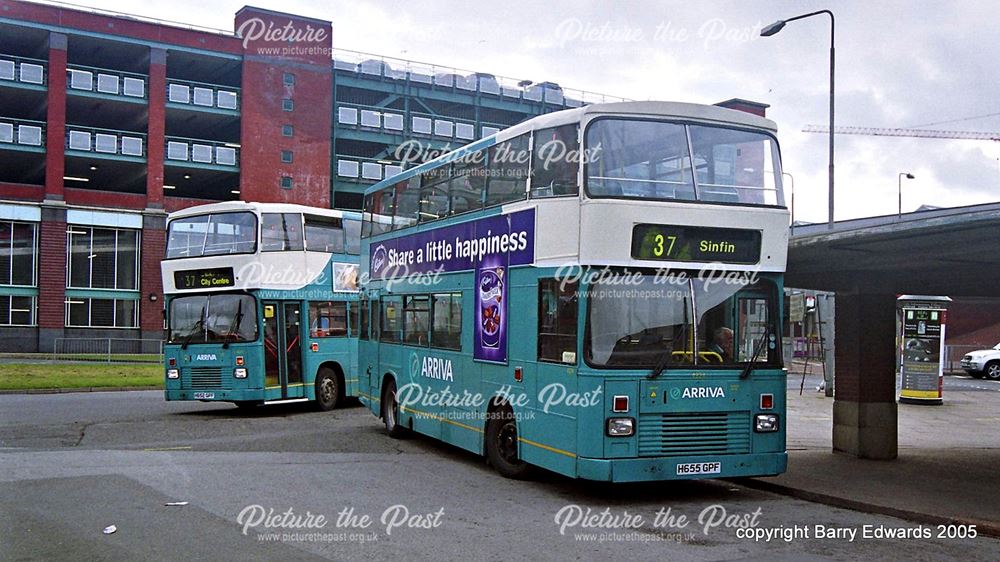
240 372
621 427
765 423
173 374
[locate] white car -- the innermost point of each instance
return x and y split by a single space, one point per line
983 363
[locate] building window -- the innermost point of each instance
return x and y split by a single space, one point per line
289 79
286 182
286 157
287 104
17 310
101 313
102 258
18 251
287 130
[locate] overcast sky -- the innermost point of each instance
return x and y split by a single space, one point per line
899 64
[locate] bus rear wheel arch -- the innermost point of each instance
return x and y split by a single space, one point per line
502 442
389 409
329 387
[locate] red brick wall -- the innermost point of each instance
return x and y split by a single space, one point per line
111 199
52 275
21 191
156 127
151 312
262 116
55 126
121 26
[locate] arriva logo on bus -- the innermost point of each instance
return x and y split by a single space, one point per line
431 368
698 392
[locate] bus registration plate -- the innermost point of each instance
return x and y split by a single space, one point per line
209 396
699 468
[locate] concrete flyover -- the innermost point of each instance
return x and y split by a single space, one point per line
868 262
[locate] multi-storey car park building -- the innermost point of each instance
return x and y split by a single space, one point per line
108 122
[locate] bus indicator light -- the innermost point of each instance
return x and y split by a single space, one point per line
239 360
172 362
766 401
314 346
518 374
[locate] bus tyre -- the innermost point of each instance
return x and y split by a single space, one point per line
992 370
328 391
390 411
501 445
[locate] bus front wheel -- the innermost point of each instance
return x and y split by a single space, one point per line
502 444
328 391
390 411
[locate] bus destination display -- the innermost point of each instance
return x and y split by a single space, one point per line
695 243
204 278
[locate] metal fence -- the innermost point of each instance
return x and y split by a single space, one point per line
109 350
953 355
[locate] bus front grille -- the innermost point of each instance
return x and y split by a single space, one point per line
203 377
698 433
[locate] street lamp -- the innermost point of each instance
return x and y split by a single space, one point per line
899 193
776 27
792 186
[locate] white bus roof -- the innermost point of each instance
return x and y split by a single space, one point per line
668 109
661 109
230 206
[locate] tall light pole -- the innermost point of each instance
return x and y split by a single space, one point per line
776 27
792 185
909 176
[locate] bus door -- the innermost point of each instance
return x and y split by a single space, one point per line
283 348
372 355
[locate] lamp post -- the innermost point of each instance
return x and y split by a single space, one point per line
792 186
776 27
899 192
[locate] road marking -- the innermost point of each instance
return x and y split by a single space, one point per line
168 449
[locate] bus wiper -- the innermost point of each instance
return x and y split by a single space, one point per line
235 329
667 355
756 353
198 326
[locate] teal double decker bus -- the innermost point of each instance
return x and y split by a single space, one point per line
595 291
261 304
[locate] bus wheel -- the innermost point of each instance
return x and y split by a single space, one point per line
327 389
390 411
501 445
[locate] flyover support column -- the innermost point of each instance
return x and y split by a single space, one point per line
864 407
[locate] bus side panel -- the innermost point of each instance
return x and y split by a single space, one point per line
547 425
